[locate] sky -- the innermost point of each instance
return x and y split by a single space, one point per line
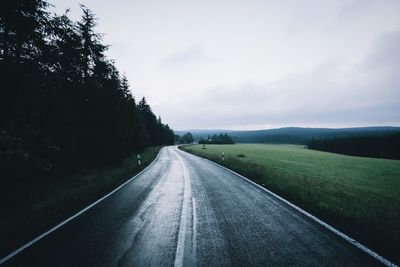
216 64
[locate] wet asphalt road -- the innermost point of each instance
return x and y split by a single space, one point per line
185 211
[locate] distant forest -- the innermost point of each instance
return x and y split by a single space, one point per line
376 146
301 136
293 135
63 103
378 142
186 138
221 139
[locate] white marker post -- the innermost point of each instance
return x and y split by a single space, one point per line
223 156
139 162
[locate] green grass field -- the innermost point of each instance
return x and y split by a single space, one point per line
360 196
54 201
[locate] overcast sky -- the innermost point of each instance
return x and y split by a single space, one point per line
257 64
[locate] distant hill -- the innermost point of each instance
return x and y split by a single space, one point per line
293 135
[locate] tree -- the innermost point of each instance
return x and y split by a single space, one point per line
22 29
63 103
217 139
187 138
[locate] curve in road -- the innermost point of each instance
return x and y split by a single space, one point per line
187 211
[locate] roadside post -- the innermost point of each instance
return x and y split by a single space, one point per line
223 156
139 162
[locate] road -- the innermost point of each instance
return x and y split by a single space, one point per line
186 211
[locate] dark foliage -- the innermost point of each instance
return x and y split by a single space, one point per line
187 138
376 146
217 139
177 138
294 135
301 136
63 104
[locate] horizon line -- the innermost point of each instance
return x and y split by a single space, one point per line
283 127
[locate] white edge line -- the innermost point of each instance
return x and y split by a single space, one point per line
30 243
312 217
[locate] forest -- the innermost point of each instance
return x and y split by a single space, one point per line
221 139
293 135
63 103
375 146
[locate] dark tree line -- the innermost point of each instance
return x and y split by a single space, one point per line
217 139
63 103
186 138
376 146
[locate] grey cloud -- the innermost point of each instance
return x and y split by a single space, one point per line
371 96
385 54
276 62
187 57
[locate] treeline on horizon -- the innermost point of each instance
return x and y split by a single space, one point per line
376 141
188 138
375 146
63 103
221 139
301 136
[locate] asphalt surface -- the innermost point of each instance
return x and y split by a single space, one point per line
186 211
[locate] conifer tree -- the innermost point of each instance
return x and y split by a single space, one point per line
63 103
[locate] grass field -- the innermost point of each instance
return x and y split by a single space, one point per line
55 201
360 196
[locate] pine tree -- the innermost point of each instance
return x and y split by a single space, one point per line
63 103
22 29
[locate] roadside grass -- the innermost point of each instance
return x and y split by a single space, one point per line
55 201
359 196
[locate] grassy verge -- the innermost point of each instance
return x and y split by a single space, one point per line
54 201
359 196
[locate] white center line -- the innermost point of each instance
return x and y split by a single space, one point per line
180 247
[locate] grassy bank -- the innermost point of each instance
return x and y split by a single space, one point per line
360 196
54 201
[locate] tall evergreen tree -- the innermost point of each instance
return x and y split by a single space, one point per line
22 29
63 103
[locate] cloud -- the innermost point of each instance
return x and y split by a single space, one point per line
248 64
186 58
385 56
328 94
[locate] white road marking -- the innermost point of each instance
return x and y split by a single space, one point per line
180 247
312 217
30 243
194 230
